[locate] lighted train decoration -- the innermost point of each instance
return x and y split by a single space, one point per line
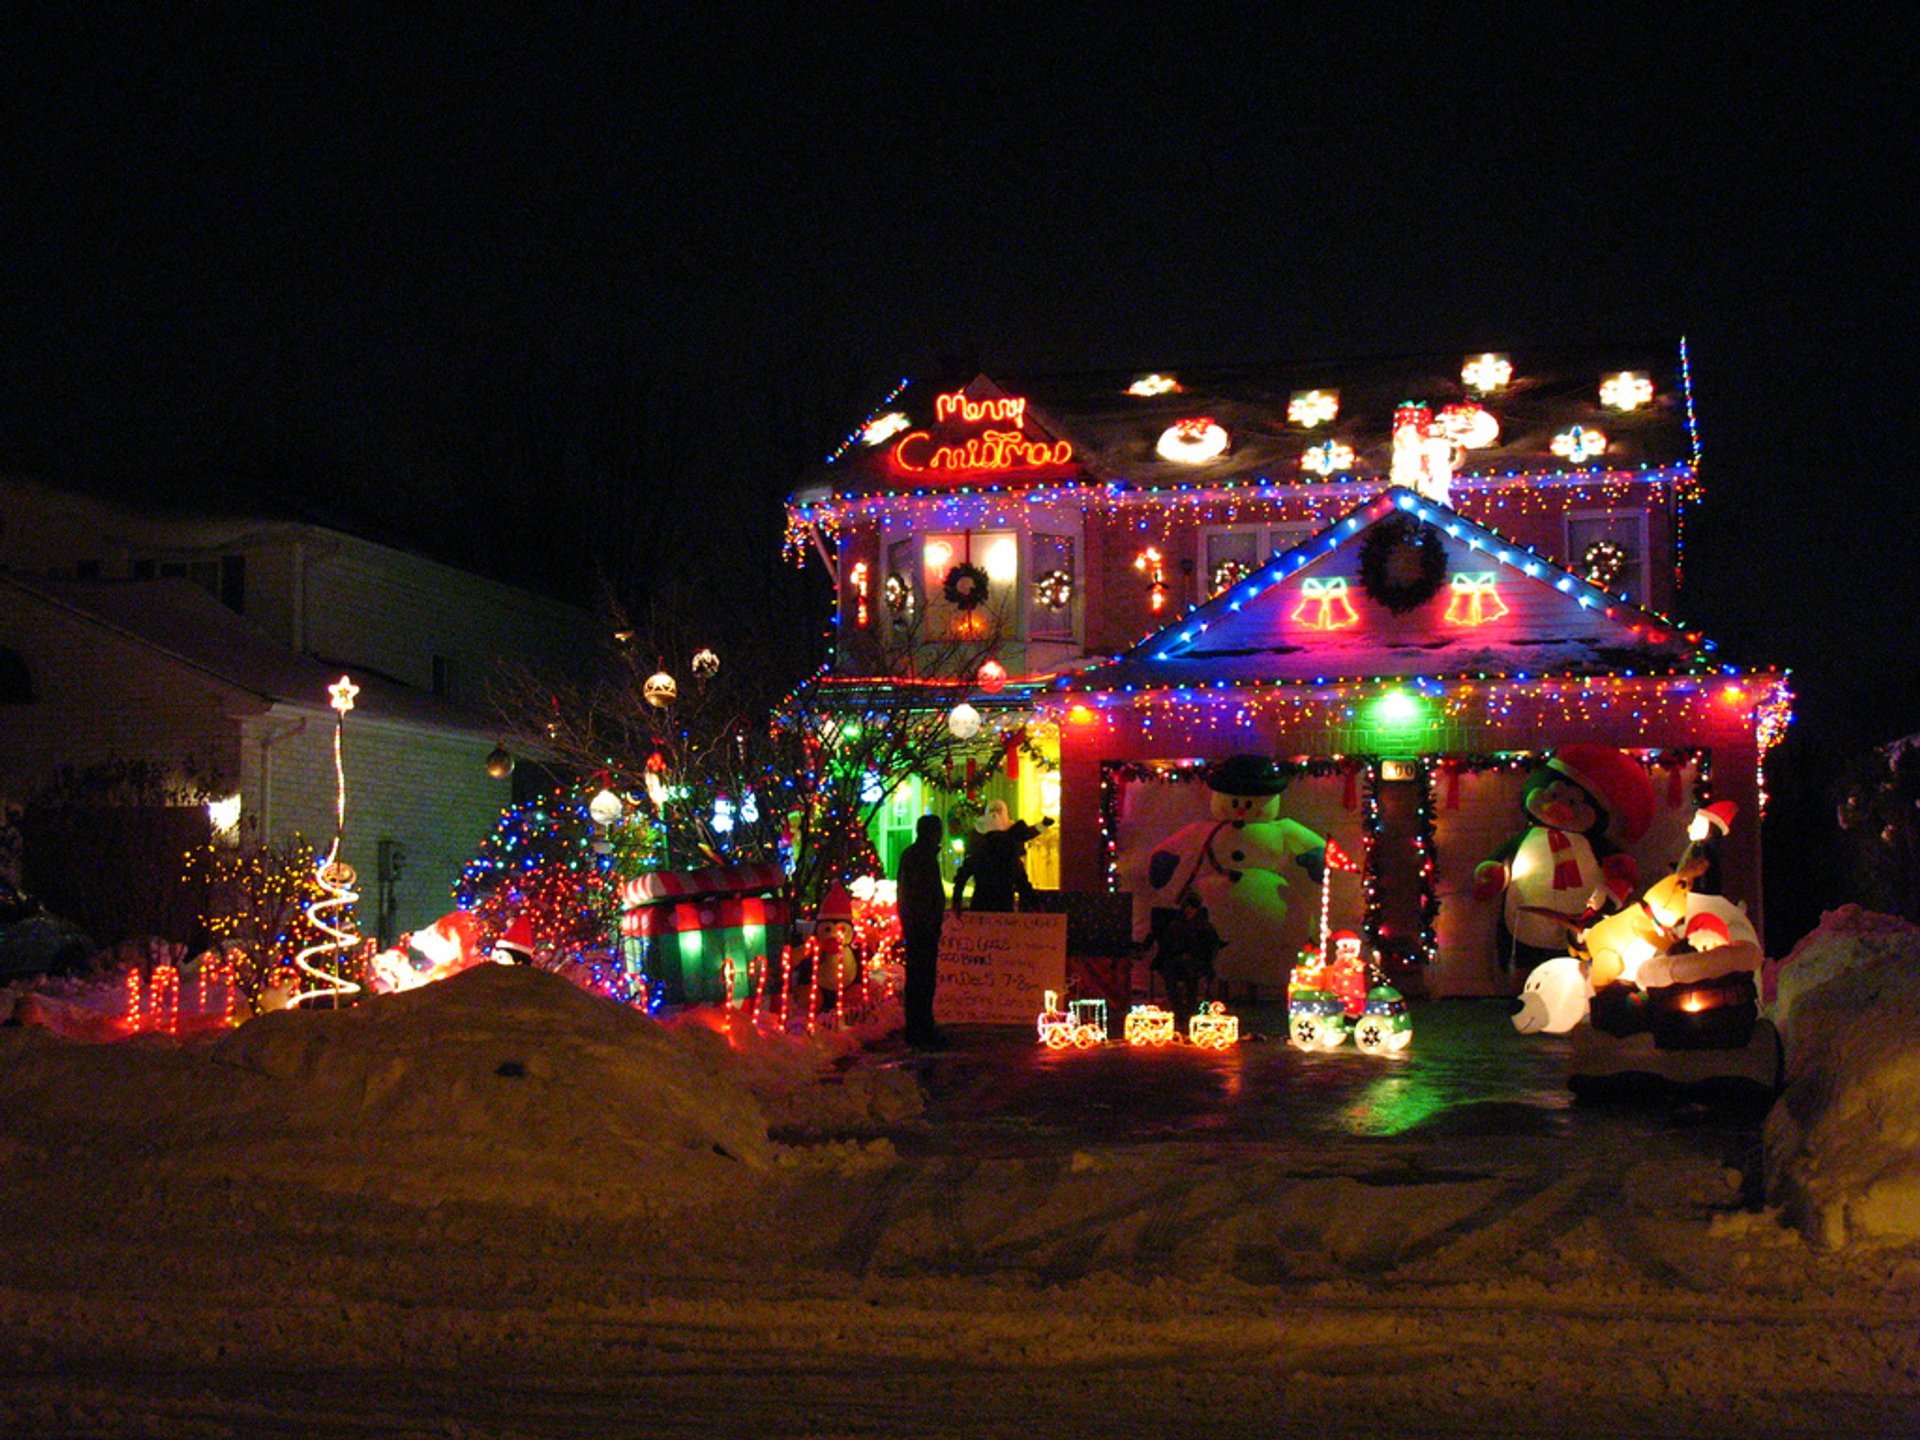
1318 1020
1082 1025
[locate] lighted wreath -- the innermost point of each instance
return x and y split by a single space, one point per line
966 586
1229 573
1403 564
1054 589
1602 563
898 593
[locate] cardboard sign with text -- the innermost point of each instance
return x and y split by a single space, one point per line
995 969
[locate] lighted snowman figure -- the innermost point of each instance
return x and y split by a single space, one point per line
1240 862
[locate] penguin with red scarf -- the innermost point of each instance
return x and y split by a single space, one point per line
1583 805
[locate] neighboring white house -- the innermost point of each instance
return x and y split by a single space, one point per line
207 644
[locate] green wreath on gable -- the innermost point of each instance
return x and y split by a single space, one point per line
1403 564
966 586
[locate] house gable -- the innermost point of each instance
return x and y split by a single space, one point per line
1499 609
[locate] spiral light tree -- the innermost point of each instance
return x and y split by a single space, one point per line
332 913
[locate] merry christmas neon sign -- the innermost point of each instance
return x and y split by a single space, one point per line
990 451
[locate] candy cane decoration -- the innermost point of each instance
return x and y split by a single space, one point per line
335 878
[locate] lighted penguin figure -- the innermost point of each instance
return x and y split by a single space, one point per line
1581 805
1240 862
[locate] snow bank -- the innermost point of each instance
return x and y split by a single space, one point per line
807 1085
505 1083
1843 1142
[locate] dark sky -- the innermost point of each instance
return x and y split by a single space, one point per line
544 289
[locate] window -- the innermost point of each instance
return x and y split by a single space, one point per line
900 591
994 552
445 674
225 579
1603 540
1230 553
1054 588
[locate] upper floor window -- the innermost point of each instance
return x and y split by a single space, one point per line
445 675
1609 547
1230 553
1050 614
225 578
969 578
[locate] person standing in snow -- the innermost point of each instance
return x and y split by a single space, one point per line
923 909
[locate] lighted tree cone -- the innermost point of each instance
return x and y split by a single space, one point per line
326 915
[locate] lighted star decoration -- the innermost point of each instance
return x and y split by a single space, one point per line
1579 444
1147 386
1628 390
883 428
1309 408
342 692
1329 459
1487 373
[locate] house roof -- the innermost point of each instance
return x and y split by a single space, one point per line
1552 398
178 619
1310 615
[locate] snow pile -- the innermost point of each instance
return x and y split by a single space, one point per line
1843 1142
806 1084
505 1083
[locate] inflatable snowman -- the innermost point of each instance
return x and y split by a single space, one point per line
1241 862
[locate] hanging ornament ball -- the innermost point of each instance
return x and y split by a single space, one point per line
706 664
992 677
500 763
963 721
606 807
661 690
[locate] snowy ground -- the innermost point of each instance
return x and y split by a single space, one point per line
503 1209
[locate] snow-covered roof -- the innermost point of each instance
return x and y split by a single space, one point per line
1567 411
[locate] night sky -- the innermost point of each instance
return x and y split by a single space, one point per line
580 296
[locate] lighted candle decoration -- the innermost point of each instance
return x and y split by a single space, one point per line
1212 1028
1332 458
1580 443
331 914
1150 1025
163 999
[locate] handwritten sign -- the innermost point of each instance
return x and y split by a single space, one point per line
997 969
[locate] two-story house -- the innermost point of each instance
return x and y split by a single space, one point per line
201 648
1407 580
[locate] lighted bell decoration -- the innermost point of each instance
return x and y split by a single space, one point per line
661 690
706 664
963 721
500 763
606 807
992 677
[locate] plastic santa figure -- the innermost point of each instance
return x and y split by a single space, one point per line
1345 973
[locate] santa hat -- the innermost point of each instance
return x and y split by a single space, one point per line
1337 936
519 936
1707 924
836 904
1617 782
1718 817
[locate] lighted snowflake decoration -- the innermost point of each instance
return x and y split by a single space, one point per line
883 428
1147 386
1331 458
1309 408
1628 390
1487 373
1579 444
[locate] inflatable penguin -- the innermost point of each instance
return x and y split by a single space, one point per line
1581 805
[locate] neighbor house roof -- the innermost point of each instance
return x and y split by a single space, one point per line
177 619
